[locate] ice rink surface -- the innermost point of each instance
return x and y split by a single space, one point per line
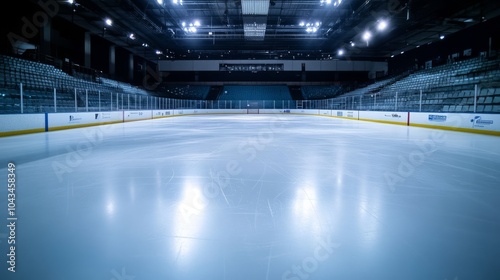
252 197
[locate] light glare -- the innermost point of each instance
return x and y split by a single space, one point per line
382 25
367 35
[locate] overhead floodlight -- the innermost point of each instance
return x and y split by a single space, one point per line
353 44
311 27
367 35
160 2
131 36
71 1
255 7
177 2
108 22
325 2
382 25
441 37
310 30
340 52
392 55
191 27
158 52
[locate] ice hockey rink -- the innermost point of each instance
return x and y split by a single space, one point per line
252 197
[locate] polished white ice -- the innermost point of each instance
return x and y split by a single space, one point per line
253 197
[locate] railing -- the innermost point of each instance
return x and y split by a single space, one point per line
461 99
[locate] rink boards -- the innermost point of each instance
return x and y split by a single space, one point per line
15 124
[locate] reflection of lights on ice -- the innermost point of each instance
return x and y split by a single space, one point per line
110 208
188 219
304 206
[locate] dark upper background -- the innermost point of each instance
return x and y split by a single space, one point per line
414 26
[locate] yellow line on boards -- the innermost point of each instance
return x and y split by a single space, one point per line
21 132
81 125
381 121
459 129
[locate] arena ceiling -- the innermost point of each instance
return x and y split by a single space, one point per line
274 29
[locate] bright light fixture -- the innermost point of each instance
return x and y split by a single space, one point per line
311 27
367 35
341 52
191 27
382 25
441 37
109 22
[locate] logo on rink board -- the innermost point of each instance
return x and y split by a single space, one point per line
166 113
437 118
134 113
74 119
393 115
477 121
